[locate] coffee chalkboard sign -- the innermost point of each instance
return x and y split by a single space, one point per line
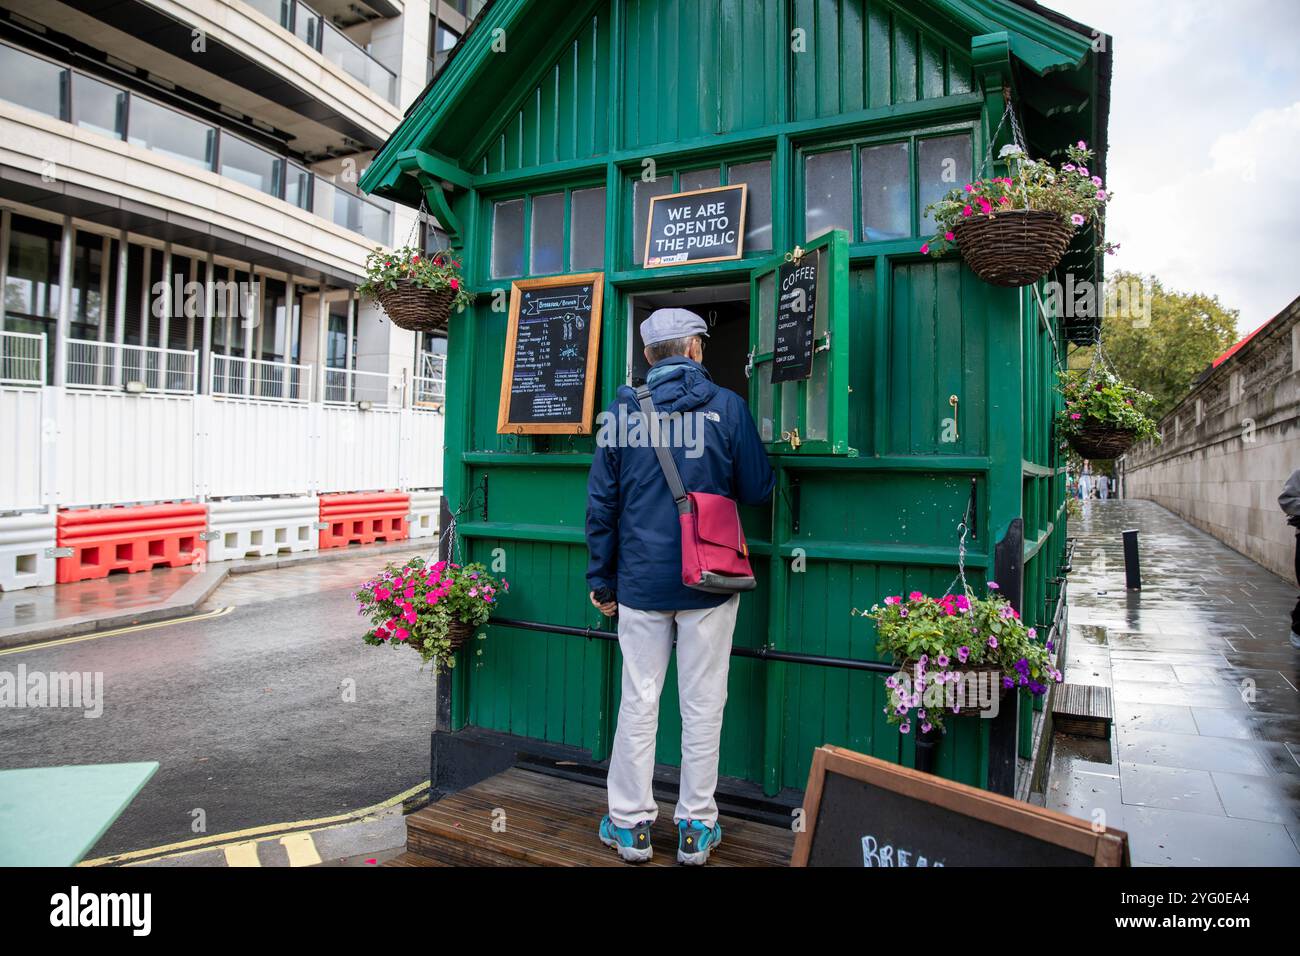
548 382
796 312
860 811
703 225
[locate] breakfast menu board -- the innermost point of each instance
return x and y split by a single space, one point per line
548 381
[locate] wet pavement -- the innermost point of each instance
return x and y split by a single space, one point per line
64 610
272 713
1203 768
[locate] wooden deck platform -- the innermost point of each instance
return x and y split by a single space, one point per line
547 820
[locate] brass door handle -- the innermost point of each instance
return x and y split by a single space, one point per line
792 436
952 400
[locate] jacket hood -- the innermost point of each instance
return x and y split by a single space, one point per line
677 384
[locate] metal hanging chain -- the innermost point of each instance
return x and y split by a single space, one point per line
422 217
1017 136
448 533
963 529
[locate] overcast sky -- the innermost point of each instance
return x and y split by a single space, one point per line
1205 145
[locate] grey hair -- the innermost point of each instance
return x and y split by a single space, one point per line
668 348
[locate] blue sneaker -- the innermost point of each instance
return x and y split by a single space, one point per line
633 845
696 840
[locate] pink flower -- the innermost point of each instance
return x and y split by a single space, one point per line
1101 194
1083 170
925 248
1068 167
950 235
401 633
892 599
915 596
967 211
1005 201
1077 219
1082 144
455 284
1096 180
985 204
381 594
1075 417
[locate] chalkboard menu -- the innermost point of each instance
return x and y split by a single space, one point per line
796 310
548 382
703 225
860 811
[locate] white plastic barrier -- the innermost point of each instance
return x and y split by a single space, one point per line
424 513
23 540
262 527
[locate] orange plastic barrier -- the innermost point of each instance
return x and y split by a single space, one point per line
363 518
129 539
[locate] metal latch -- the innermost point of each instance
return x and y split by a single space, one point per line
59 552
749 364
792 436
824 344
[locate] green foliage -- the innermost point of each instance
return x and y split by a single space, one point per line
939 638
1164 352
416 603
436 271
1101 398
1072 191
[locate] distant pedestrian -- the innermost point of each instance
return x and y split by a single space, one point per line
1103 487
1290 502
1085 485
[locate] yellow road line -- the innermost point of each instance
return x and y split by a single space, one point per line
301 849
242 854
96 635
236 836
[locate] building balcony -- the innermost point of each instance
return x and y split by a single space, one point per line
78 145
283 64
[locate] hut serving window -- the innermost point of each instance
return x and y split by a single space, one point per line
877 191
548 233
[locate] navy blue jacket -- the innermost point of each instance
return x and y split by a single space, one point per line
633 533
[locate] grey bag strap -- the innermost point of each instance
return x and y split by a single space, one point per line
662 452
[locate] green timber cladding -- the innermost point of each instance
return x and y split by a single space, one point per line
538 147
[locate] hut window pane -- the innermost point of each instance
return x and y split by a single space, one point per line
701 179
587 229
508 239
642 192
943 164
828 192
758 203
547 246
886 184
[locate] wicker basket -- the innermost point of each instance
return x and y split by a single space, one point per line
458 632
417 309
994 675
1098 442
1014 248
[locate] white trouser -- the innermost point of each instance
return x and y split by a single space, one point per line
703 656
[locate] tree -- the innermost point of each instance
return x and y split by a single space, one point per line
1162 351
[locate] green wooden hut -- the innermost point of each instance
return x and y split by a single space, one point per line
539 146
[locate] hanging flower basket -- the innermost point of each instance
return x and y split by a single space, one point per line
1013 248
946 642
1102 415
434 609
416 309
417 291
1013 230
1099 441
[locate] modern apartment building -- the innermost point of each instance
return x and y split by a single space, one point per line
211 149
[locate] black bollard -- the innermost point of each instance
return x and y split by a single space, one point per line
925 744
1132 568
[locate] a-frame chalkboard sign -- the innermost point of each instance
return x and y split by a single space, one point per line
860 811
548 382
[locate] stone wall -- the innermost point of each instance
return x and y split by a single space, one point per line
1229 446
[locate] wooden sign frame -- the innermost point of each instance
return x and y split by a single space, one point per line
517 288
1108 847
740 229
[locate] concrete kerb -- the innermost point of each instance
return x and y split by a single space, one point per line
185 601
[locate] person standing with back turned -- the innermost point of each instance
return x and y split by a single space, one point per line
1290 503
635 570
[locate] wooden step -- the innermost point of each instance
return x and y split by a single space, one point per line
526 818
1083 710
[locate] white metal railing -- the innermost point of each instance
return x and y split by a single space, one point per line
22 358
348 387
107 365
430 386
232 376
